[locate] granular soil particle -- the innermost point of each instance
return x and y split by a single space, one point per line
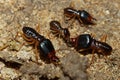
14 14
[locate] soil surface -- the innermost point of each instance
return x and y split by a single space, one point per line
19 63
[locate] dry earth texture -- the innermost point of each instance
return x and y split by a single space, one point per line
21 64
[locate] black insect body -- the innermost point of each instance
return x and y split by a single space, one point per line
81 15
48 50
43 45
56 29
86 42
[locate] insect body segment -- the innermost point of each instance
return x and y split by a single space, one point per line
47 48
81 42
56 29
101 47
85 42
43 45
31 34
81 15
86 17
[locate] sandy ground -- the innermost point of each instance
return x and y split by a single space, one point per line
15 64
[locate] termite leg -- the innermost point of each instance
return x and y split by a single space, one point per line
92 35
29 40
103 38
36 51
15 38
3 47
6 45
37 28
72 4
93 55
72 21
